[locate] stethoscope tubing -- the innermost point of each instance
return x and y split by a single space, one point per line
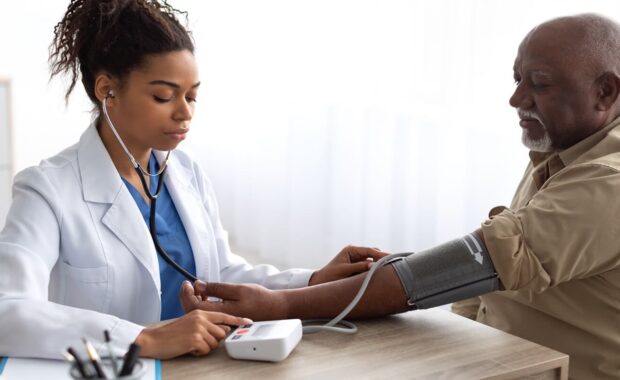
152 197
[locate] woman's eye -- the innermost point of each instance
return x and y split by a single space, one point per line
160 100
191 100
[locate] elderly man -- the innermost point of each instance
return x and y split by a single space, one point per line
548 266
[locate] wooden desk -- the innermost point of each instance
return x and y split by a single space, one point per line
428 344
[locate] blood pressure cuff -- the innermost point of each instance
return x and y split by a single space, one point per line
450 272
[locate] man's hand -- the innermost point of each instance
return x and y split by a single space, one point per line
350 261
249 300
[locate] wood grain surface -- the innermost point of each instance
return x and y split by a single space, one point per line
427 344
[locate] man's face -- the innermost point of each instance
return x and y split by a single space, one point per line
555 96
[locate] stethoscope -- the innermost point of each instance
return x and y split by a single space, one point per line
152 197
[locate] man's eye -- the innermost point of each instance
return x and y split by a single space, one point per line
160 100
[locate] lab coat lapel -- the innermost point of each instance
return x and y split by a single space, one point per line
187 201
101 183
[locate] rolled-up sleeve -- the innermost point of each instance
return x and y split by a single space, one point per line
568 230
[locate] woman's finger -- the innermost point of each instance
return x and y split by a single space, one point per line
357 254
187 298
200 346
351 269
211 340
216 289
346 270
227 319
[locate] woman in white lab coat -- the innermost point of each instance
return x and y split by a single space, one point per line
76 256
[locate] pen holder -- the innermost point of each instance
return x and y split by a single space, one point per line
138 370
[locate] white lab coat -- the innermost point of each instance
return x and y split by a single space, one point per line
76 256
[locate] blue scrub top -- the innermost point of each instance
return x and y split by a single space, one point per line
172 238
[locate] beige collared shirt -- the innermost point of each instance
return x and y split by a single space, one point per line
557 252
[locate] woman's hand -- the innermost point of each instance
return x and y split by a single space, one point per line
196 333
350 261
250 300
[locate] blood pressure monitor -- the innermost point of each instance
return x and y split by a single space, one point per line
266 341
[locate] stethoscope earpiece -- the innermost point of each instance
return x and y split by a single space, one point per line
135 163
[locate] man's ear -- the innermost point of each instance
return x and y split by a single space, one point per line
104 86
608 91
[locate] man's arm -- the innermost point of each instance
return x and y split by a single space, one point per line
452 271
384 295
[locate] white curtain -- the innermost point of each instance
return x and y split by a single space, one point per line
6 159
327 122
379 123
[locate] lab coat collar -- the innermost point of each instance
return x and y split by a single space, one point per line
189 206
176 175
100 179
101 182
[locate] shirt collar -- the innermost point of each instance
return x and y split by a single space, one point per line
548 163
571 154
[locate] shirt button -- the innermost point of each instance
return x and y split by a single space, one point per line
496 210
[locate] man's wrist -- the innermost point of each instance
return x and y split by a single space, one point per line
287 301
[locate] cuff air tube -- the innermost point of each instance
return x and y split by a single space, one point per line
450 272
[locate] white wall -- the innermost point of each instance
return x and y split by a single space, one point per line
6 157
42 125
323 123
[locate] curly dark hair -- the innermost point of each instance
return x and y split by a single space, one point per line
115 36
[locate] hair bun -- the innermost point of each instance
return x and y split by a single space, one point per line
113 36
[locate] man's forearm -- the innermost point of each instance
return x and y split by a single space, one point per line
384 295
460 268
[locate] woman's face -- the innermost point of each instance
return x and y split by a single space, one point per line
155 104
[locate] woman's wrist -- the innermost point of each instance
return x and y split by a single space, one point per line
313 278
144 340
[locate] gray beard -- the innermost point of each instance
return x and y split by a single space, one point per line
542 144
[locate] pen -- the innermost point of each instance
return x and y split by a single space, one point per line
130 360
78 362
69 357
94 358
106 335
